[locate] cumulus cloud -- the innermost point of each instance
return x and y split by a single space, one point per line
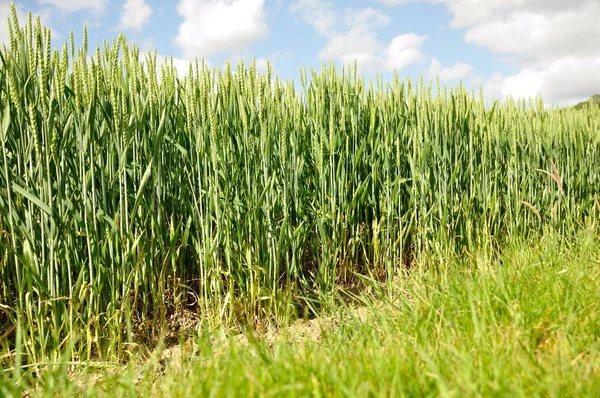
320 14
552 43
353 36
459 71
564 82
134 15
213 27
404 50
69 6
358 40
539 37
532 30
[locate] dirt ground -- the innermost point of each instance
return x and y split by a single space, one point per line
298 332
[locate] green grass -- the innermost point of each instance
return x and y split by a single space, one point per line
525 324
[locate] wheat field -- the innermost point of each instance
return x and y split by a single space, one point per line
128 192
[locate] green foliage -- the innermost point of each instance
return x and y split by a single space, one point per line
593 101
127 192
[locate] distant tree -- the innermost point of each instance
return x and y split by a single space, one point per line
595 100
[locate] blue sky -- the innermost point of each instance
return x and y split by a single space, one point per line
516 48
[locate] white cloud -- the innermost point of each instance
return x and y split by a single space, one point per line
459 71
69 6
552 43
563 82
213 27
494 86
353 36
358 41
320 14
527 83
134 15
539 37
365 20
404 50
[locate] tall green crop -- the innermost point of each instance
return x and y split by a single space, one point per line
128 192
